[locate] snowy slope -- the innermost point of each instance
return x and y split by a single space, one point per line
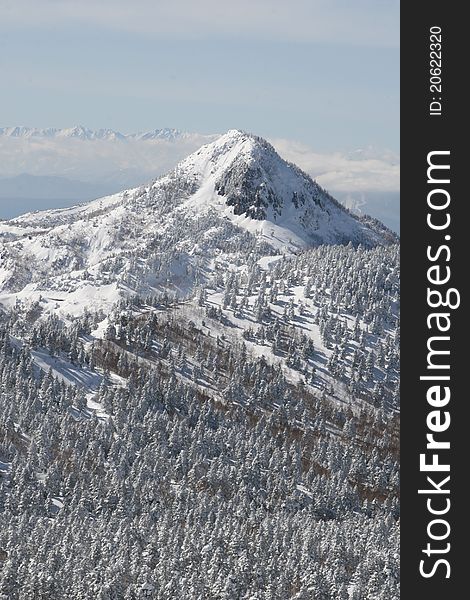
232 197
245 179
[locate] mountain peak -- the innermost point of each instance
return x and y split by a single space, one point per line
240 135
243 178
248 140
234 147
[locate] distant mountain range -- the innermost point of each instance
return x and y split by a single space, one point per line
83 133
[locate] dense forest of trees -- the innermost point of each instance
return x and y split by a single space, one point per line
186 498
180 455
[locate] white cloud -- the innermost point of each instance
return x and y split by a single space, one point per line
357 172
97 161
365 22
91 161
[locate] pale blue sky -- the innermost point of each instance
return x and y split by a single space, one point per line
323 72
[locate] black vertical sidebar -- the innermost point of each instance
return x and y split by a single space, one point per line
425 127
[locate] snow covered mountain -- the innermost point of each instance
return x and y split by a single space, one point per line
365 181
83 133
199 390
232 194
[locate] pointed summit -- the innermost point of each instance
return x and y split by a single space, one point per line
243 176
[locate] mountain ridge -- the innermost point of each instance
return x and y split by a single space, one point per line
84 133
